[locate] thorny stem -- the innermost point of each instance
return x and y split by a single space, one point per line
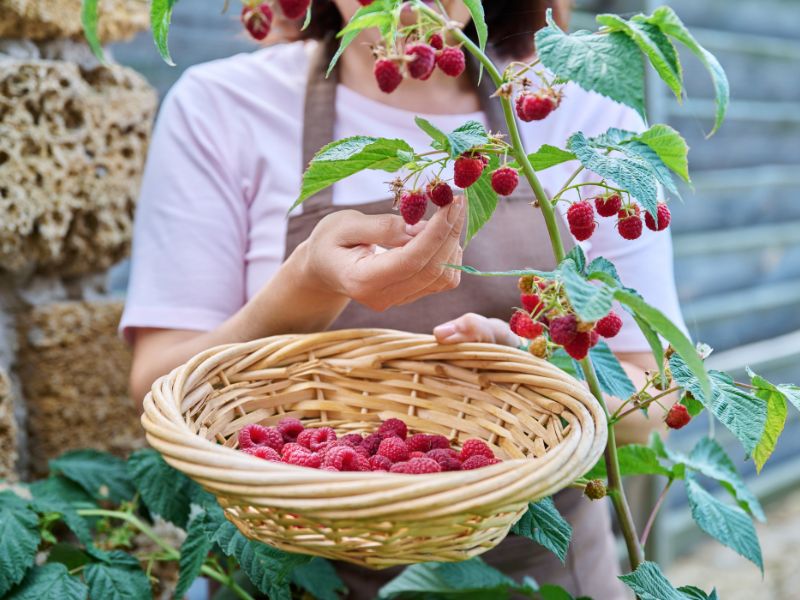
652 518
616 417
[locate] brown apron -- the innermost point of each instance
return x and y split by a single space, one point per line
591 565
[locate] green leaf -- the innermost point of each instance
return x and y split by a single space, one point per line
742 413
604 270
102 475
543 524
649 583
670 146
49 581
18 543
481 201
117 581
610 64
472 579
613 379
691 592
578 257
89 22
634 459
465 137
194 550
549 156
479 20
437 135
164 490
319 578
377 14
343 158
729 525
566 363
668 22
792 393
777 411
656 46
591 302
160 17
554 592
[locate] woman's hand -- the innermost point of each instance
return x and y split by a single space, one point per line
475 328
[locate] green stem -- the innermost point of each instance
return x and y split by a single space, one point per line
226 580
652 518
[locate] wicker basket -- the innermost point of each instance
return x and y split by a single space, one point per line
542 422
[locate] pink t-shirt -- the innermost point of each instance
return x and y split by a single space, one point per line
225 165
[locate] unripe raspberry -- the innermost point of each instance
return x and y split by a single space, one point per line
664 218
290 428
531 303
595 490
294 9
439 193
609 325
578 348
662 382
525 327
608 206
467 170
563 329
535 107
505 181
387 74
526 283
379 463
394 449
393 427
677 417
436 40
475 447
452 62
412 206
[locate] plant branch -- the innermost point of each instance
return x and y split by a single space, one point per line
226 580
616 417
652 518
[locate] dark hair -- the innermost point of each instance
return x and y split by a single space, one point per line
511 24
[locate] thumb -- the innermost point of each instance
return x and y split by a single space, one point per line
384 230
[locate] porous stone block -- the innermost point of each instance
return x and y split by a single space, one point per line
74 144
48 19
8 428
73 370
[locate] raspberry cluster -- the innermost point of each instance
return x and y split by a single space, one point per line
582 224
547 320
417 60
257 15
390 449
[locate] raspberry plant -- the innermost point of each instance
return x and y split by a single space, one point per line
565 312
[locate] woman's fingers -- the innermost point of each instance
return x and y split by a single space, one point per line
357 229
466 328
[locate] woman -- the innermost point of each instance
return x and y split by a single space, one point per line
215 259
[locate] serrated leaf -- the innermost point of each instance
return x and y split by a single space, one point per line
649 583
591 302
164 490
319 578
481 201
668 22
691 592
604 270
160 18
549 156
610 64
18 543
728 525
554 592
472 579
437 135
578 257
613 379
351 34
478 20
194 550
343 158
89 23
777 412
49 581
103 476
634 459
670 146
117 582
465 137
792 393
543 524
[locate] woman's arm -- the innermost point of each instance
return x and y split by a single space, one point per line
338 262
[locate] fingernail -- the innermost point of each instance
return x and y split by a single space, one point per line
445 330
454 212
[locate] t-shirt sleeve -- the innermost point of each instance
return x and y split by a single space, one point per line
190 232
644 264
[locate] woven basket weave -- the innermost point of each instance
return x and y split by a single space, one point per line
542 422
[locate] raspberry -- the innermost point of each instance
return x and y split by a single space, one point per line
439 442
595 490
609 325
394 449
292 447
664 218
476 462
257 20
582 233
387 74
594 337
439 193
416 454
535 107
467 170
436 40
365 2
294 9
314 439
505 181
525 284
399 467
352 439
345 458
563 329
531 303
393 427
423 60
379 463
578 348
412 206
258 435
580 215
677 417
538 347
290 428
452 61
303 458
419 442
446 457
264 452
525 327
630 228
608 206
475 447
419 466
371 443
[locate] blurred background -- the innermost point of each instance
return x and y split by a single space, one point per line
737 241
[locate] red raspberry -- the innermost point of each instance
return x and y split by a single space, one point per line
580 215
664 218
594 338
531 303
314 439
583 233
563 329
446 457
264 452
258 435
677 417
290 428
439 442
371 443
294 9
412 206
535 107
608 206
394 449
505 181
365 2
436 40
292 447
439 193
352 439
257 20
339 443
630 227
400 467
609 325
477 461
452 61
379 463
419 466
345 458
423 60
303 458
475 447
467 170
393 427
419 442
525 327
416 454
387 74
578 348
